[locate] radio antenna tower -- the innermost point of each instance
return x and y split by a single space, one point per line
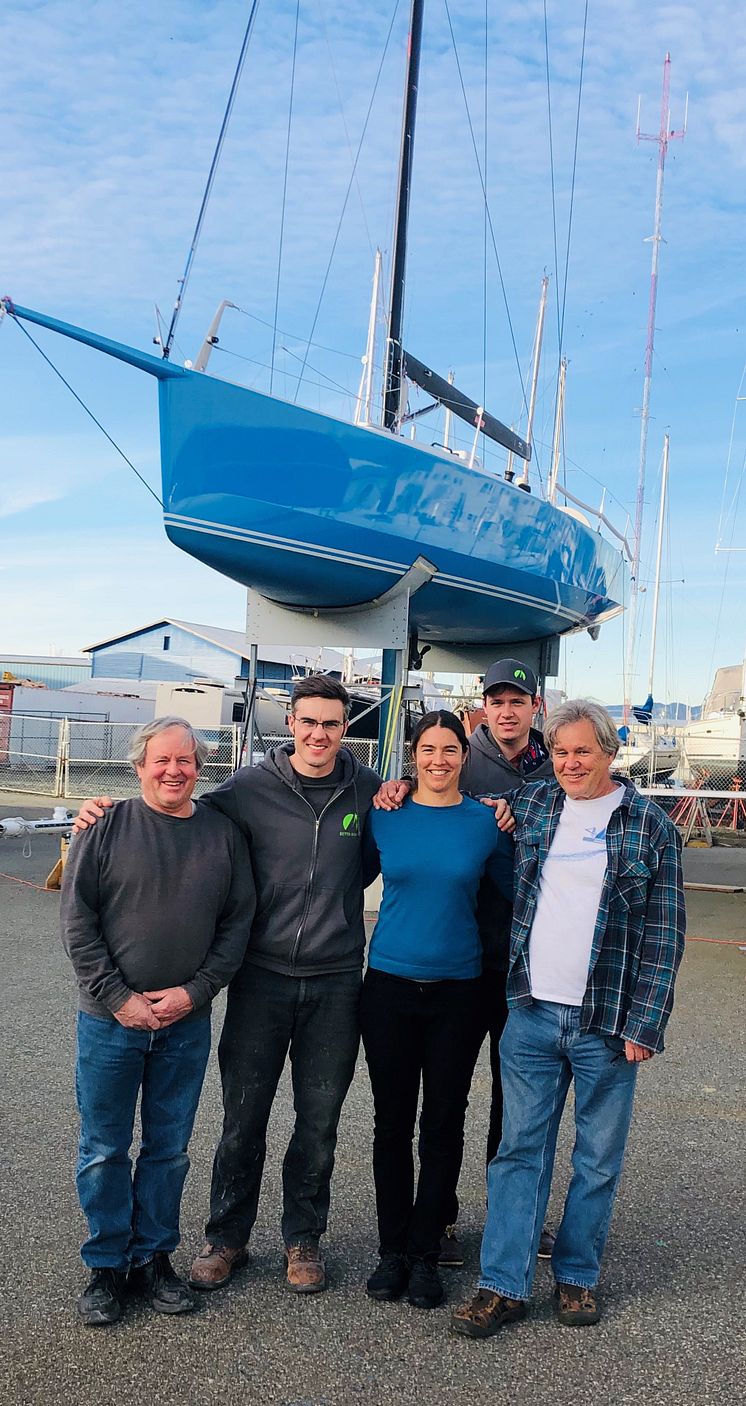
663 137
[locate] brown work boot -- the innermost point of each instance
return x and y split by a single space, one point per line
485 1313
215 1265
305 1273
577 1307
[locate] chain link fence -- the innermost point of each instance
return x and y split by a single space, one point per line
77 758
31 754
71 757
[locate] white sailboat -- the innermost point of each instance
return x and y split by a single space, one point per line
715 743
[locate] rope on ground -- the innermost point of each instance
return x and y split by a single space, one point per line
27 883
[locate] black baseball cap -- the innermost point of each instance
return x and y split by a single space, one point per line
513 673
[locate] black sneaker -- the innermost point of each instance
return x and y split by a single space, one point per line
158 1282
425 1289
451 1250
389 1279
101 1300
546 1244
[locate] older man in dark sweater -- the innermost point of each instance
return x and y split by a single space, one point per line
157 903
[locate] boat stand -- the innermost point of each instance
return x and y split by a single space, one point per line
382 623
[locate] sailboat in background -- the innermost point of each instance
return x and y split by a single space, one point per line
320 514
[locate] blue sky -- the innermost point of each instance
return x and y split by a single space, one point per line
111 112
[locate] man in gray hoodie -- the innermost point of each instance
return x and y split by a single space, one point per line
302 810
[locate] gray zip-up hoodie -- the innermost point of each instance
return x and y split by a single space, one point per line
307 870
486 772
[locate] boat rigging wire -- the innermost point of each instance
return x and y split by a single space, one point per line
183 281
83 406
284 195
335 351
347 192
486 206
561 307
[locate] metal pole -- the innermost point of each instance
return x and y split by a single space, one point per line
658 555
664 136
393 382
557 439
365 393
523 480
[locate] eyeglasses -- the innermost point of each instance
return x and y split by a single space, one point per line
331 727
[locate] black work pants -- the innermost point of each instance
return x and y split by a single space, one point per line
493 1013
418 1033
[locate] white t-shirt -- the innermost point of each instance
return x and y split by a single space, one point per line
569 893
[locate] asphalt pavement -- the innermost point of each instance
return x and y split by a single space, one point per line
673 1282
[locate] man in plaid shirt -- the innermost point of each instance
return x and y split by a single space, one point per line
596 941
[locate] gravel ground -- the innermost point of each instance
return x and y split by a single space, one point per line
673 1282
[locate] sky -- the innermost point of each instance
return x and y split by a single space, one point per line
111 113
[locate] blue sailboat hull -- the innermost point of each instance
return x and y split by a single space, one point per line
317 513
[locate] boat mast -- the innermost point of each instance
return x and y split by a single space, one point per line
557 437
523 480
393 379
658 555
663 137
365 393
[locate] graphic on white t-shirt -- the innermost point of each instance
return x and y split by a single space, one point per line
570 887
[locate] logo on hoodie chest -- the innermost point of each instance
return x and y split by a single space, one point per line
351 824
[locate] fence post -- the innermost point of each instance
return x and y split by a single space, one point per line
62 764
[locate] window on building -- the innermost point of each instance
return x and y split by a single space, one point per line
166 641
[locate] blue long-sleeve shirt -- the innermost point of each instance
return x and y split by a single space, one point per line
432 859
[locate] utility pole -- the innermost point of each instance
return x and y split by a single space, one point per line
663 137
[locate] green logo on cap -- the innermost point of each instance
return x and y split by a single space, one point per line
519 674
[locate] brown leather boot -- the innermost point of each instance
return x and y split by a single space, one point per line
215 1265
305 1269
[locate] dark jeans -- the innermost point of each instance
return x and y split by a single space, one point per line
316 1020
417 1033
493 1013
130 1219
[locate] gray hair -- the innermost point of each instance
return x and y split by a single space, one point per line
578 710
141 738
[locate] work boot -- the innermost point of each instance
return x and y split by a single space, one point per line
546 1244
389 1279
305 1269
451 1251
101 1300
215 1265
158 1282
485 1314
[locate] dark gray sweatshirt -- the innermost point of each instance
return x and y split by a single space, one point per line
487 772
307 867
150 900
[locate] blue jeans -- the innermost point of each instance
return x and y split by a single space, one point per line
130 1219
541 1052
316 1020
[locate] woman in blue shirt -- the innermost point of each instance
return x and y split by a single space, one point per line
420 1001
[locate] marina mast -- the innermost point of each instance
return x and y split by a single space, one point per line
663 137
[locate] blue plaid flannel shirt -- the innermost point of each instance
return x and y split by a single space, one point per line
638 940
